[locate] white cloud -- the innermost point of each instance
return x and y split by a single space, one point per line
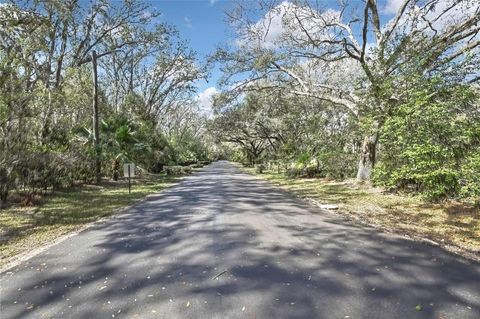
204 99
146 14
212 2
441 15
188 22
273 27
392 6
461 12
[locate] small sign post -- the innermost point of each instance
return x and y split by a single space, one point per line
129 172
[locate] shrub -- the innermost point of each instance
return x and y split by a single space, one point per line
196 165
293 172
156 167
311 171
259 168
173 170
302 160
431 178
187 170
337 165
177 170
470 179
428 141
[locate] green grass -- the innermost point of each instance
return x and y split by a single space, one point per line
452 223
24 228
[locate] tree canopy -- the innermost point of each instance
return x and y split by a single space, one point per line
398 95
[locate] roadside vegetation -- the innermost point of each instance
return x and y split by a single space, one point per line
454 224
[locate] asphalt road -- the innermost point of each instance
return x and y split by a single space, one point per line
223 244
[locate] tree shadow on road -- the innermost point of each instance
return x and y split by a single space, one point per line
194 252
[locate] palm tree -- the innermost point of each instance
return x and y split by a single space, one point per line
118 141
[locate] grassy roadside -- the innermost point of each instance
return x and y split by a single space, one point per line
454 224
24 228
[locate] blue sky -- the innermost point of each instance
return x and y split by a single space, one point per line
202 23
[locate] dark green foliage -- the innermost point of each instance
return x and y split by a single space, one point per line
187 170
337 165
430 143
177 170
173 170
294 172
334 165
260 168
470 177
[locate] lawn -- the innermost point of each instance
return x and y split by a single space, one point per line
26 227
451 224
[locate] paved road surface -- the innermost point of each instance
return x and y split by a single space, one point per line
223 244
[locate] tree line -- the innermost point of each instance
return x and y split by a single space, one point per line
87 86
352 91
341 92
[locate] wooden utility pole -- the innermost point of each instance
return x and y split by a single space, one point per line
96 133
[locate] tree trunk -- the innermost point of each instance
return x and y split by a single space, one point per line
116 169
250 159
367 158
4 185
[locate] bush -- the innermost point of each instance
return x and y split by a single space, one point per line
173 170
434 182
302 167
259 168
156 167
188 163
311 171
302 160
337 165
427 144
177 170
187 170
293 172
470 179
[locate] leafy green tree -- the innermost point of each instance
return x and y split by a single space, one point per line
146 72
315 52
21 35
431 142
